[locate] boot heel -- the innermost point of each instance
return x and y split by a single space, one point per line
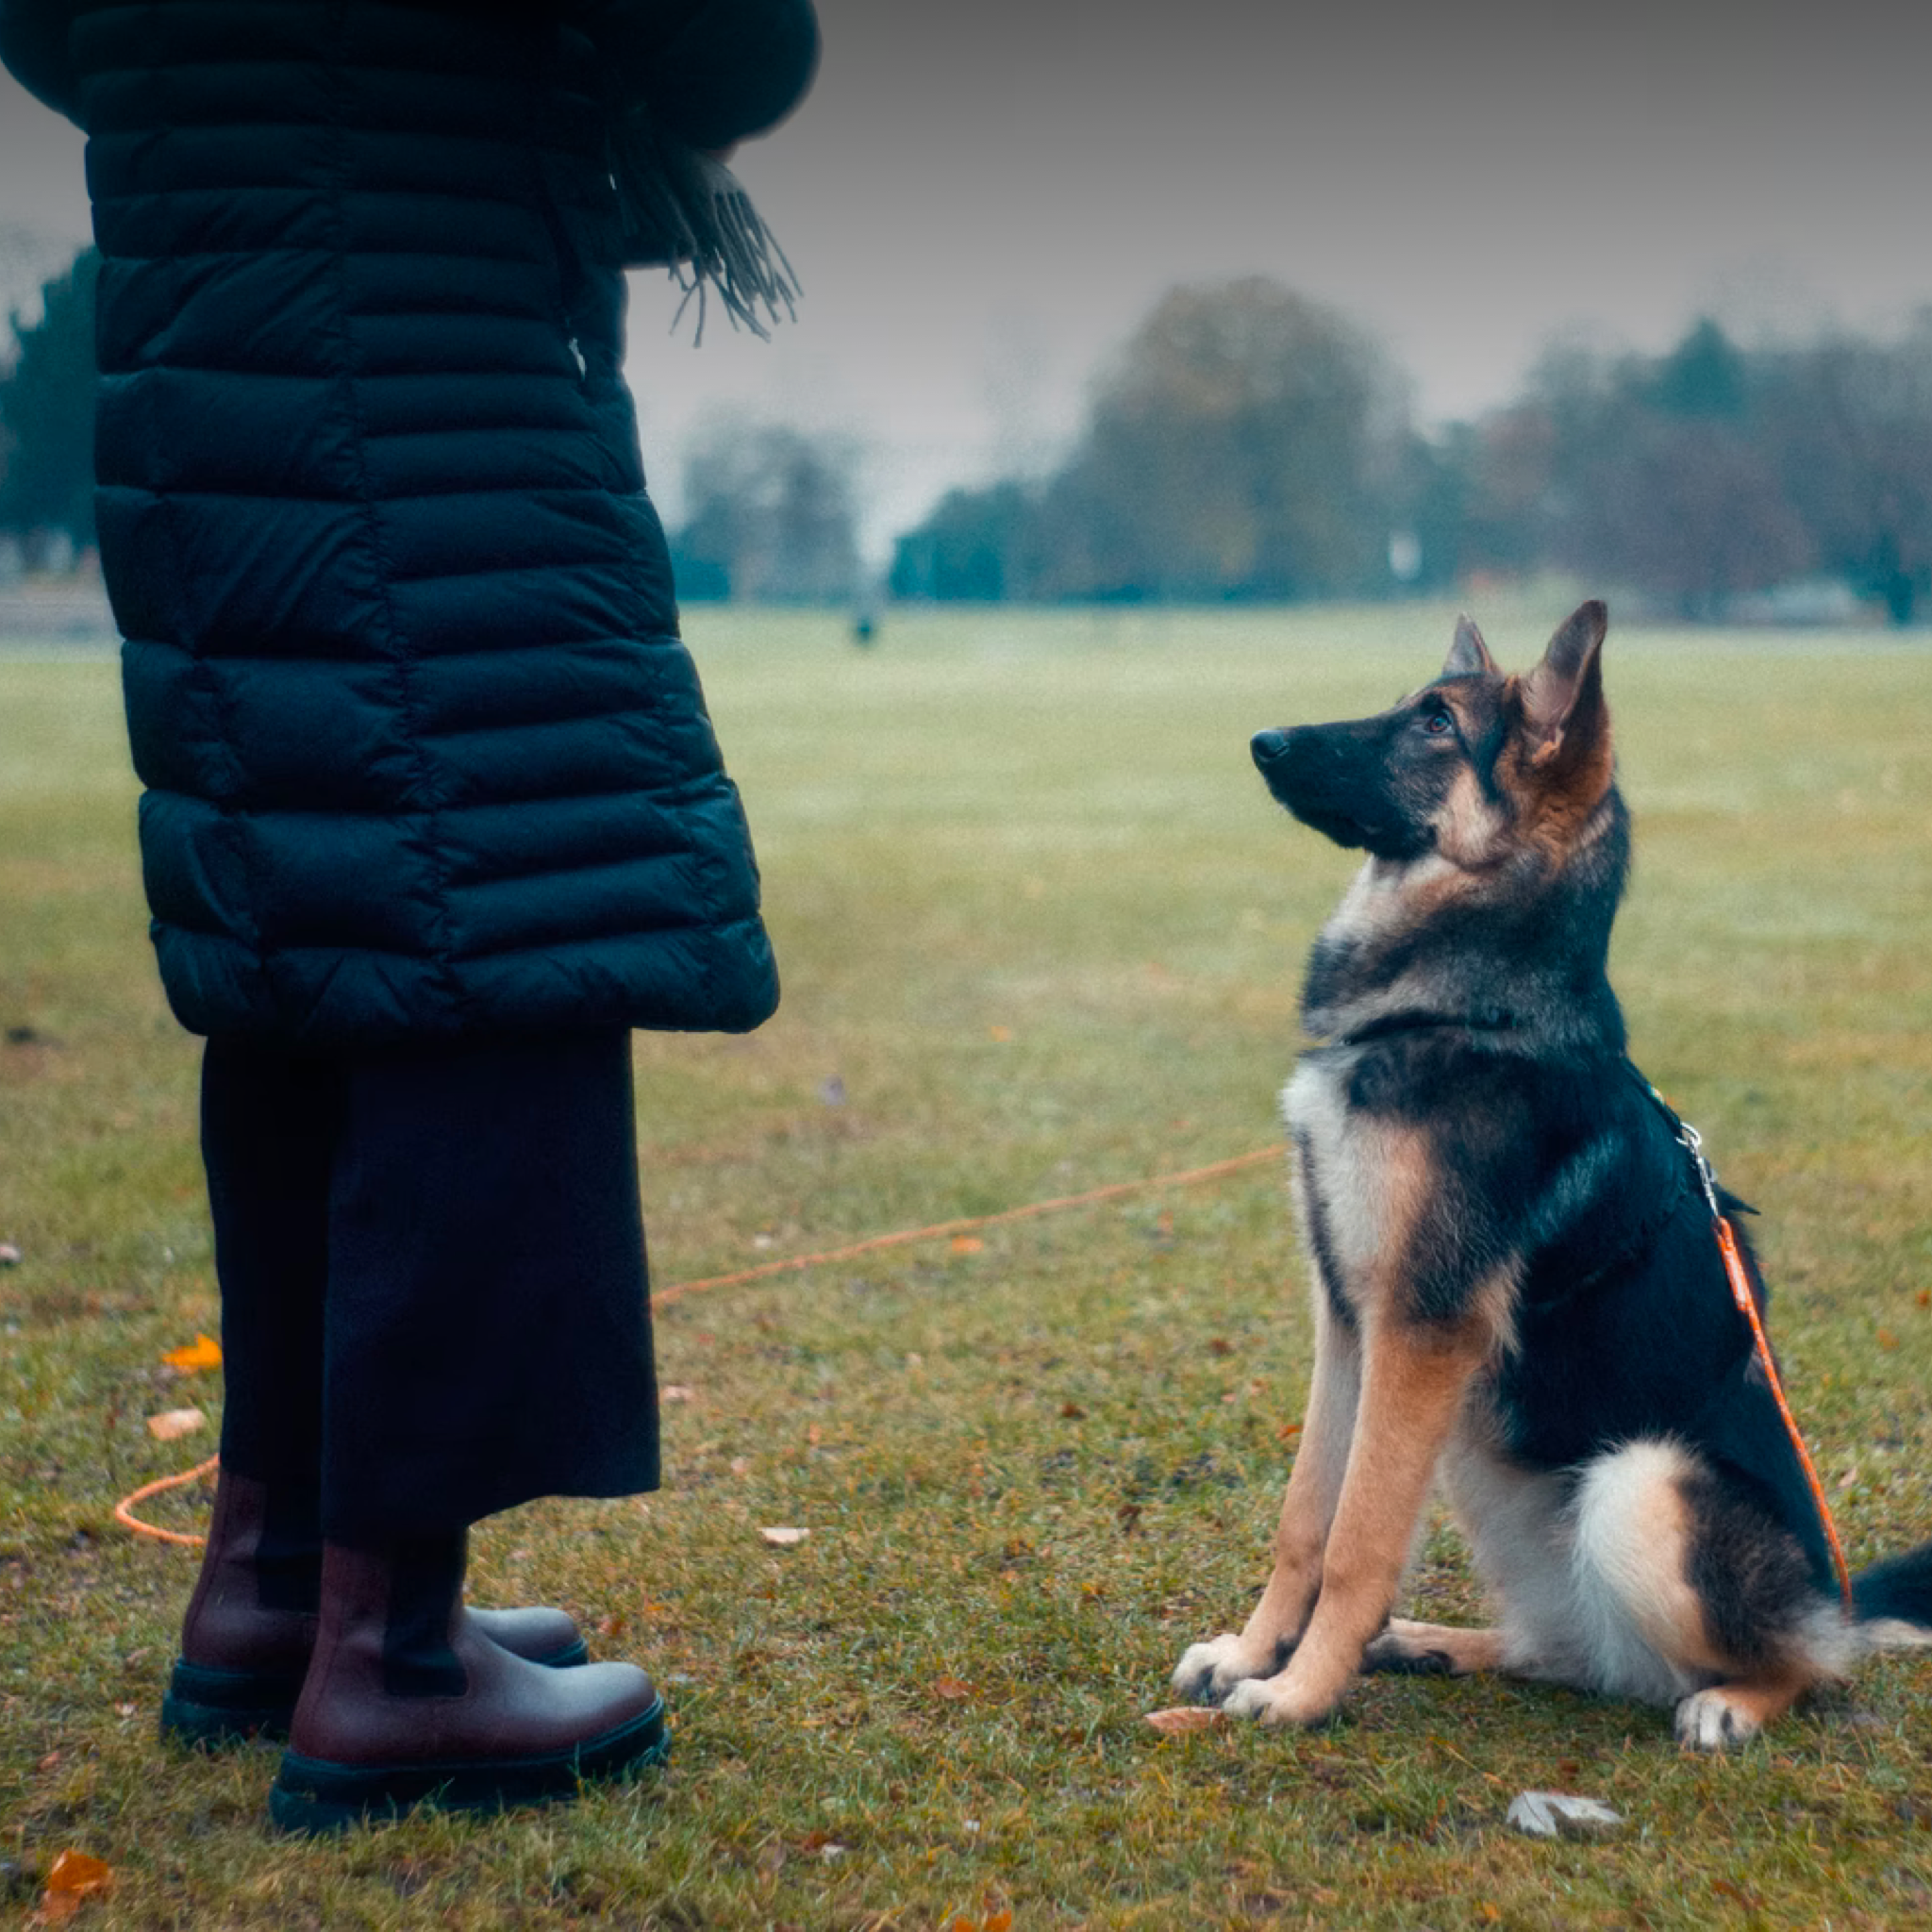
208 1708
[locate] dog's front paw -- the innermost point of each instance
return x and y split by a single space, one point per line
1277 1701
1207 1671
1712 1720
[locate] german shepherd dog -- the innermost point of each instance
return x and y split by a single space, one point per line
1517 1283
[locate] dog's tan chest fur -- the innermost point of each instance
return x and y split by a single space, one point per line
1359 1179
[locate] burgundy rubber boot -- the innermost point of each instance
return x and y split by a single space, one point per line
251 1624
408 1703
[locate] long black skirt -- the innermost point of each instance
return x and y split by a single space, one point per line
435 1300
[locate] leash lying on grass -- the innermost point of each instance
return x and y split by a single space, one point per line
123 1511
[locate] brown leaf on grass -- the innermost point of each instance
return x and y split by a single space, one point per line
204 1352
784 1536
951 1689
1072 1412
967 1244
1185 1717
173 1423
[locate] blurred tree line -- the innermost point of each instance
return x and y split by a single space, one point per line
1248 444
47 417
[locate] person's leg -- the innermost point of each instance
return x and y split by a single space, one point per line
271 1121
488 1343
489 1333
267 1129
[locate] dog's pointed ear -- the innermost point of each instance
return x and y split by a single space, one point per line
1563 697
1467 656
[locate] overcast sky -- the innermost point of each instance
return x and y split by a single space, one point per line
983 200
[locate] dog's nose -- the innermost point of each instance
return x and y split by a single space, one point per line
1267 746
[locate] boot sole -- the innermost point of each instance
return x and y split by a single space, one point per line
315 1797
208 1708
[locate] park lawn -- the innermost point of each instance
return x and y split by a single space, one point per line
1040 930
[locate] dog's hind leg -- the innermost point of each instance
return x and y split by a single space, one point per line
1518 1524
1430 1650
1689 1593
1210 1671
1415 1379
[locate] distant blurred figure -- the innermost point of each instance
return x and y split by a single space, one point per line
434 813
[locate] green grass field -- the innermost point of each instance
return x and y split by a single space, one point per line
1041 929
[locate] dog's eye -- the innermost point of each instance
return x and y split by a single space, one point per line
1437 722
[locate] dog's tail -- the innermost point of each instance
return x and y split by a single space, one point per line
1893 1600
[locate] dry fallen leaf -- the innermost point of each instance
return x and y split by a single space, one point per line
951 1689
784 1536
72 1878
204 1352
1186 1717
174 1423
967 1244
677 1391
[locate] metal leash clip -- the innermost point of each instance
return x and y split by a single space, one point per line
1693 1144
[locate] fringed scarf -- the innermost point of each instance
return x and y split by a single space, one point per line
689 212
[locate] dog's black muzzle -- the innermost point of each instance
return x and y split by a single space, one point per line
1334 779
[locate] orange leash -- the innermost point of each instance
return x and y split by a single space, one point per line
955 1227
1747 1306
1747 1303
123 1511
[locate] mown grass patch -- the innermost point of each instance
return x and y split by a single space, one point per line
1040 930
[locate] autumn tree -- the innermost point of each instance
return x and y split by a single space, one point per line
771 517
1245 444
976 545
1850 432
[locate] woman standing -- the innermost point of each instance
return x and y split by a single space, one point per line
434 815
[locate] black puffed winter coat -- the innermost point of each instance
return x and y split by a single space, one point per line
423 754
